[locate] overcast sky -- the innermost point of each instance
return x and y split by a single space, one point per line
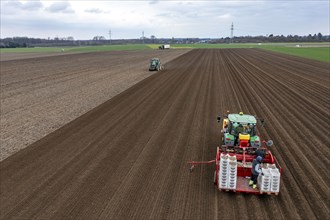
83 19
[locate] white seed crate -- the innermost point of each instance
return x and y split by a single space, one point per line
232 173
227 177
276 179
223 171
264 181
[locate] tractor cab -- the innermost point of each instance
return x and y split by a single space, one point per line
241 137
240 129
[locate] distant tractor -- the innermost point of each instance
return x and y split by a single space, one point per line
155 65
164 46
241 144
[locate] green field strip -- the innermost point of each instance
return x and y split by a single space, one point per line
316 51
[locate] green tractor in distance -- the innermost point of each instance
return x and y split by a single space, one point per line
155 65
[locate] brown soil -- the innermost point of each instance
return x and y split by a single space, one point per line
4 56
40 95
127 158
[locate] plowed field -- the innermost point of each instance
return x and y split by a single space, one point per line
41 94
127 157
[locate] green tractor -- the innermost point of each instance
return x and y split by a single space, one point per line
237 128
155 65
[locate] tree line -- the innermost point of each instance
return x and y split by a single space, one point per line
15 42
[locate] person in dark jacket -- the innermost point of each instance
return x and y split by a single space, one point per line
255 171
261 153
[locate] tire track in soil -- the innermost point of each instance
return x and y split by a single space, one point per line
127 157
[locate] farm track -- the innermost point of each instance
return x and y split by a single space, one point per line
127 157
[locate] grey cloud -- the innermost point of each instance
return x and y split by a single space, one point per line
34 5
64 7
153 2
167 14
94 10
14 5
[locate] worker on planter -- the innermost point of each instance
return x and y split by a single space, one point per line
255 171
261 153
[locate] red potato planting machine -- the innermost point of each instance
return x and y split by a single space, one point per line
241 144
